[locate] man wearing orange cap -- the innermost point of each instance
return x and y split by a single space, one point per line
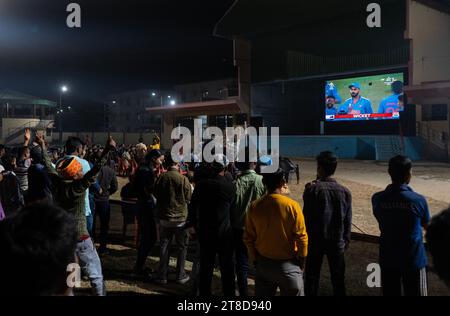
69 191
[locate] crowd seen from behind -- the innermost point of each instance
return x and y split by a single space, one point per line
241 220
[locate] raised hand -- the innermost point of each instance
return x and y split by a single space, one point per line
40 140
110 143
27 135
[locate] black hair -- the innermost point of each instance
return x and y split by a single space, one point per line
72 144
331 96
401 98
397 87
438 241
153 154
21 151
328 161
275 180
140 140
168 160
37 244
36 154
7 161
399 168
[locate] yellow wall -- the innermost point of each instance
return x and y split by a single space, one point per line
429 30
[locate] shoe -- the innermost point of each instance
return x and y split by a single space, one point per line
183 280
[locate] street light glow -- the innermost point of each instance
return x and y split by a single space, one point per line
113 102
64 89
168 97
173 102
153 94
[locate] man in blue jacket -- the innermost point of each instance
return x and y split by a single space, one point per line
357 104
401 214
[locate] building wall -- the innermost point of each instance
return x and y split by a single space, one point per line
429 30
345 147
10 125
119 137
127 111
207 90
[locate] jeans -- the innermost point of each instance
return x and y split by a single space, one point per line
336 261
147 228
271 274
91 265
103 210
414 282
181 239
210 247
240 253
90 223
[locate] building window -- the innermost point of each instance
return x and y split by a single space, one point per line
434 112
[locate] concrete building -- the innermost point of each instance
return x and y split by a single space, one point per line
206 90
286 50
127 111
19 111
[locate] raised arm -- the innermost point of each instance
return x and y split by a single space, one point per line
47 161
110 145
26 137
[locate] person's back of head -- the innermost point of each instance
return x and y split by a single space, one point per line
169 161
74 145
438 241
400 169
9 162
36 245
36 155
274 181
326 164
397 87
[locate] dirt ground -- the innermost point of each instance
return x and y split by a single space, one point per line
362 178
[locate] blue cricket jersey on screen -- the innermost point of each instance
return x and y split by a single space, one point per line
401 214
362 106
330 89
332 111
389 104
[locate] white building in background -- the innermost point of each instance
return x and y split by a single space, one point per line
19 111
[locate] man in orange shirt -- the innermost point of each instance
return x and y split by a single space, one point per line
276 239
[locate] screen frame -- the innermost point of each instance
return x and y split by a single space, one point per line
348 76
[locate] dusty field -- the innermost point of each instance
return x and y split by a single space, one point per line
362 178
365 178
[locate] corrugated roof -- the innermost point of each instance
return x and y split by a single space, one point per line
8 95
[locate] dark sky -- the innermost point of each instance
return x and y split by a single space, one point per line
122 45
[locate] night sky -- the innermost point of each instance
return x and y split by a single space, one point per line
122 45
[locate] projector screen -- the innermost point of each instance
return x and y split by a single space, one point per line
377 97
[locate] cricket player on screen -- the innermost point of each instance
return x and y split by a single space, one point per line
357 104
331 108
391 104
331 90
